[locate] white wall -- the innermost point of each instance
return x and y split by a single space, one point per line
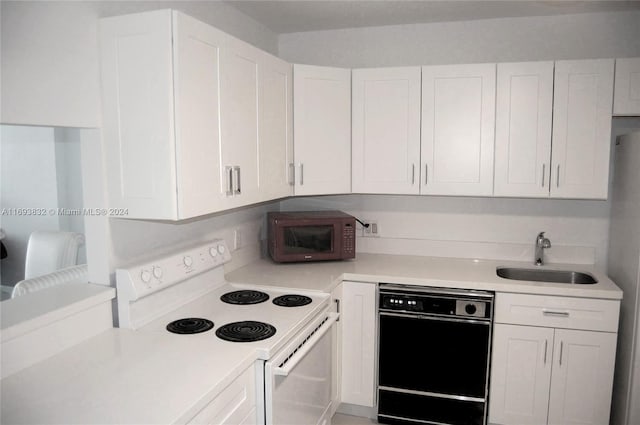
134 241
483 228
69 182
596 35
49 54
28 180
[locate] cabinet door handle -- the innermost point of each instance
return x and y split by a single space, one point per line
301 174
555 313
560 353
238 190
413 174
292 174
544 168
546 342
337 308
558 176
426 173
229 173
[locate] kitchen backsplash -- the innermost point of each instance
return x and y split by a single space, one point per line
135 241
480 228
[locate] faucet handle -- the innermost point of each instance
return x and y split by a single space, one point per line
540 235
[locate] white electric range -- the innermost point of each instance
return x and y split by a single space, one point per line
185 293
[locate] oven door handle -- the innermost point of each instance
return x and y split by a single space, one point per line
306 346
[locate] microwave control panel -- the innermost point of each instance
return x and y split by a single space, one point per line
349 239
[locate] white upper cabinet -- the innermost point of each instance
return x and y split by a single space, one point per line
239 121
161 145
524 103
458 123
322 130
626 100
255 106
583 96
275 128
195 121
386 130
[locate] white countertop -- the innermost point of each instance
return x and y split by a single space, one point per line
416 270
148 375
126 377
28 312
123 377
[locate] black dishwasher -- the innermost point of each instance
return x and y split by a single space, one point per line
434 349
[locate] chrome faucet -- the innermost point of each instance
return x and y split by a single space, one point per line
541 244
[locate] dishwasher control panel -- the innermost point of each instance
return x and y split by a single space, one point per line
445 303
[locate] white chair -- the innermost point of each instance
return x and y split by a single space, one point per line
49 251
74 274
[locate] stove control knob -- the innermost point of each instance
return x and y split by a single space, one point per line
213 252
188 261
221 249
470 308
145 276
157 272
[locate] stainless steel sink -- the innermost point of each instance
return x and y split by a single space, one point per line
556 276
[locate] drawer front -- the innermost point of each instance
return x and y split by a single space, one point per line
235 405
557 312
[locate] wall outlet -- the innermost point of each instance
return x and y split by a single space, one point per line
373 231
237 239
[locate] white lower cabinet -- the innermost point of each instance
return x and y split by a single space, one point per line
546 374
235 405
520 374
358 346
582 377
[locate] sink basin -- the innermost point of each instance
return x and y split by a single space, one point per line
538 275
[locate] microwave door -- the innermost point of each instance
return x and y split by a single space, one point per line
309 240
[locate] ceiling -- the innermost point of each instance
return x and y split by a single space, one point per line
287 16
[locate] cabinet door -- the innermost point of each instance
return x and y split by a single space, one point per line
524 103
138 120
196 52
582 101
626 99
520 374
581 387
386 130
239 64
458 123
358 317
336 360
274 128
235 405
322 130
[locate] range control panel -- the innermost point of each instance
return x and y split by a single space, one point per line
144 279
438 304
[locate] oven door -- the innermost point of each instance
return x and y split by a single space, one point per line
433 370
298 378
